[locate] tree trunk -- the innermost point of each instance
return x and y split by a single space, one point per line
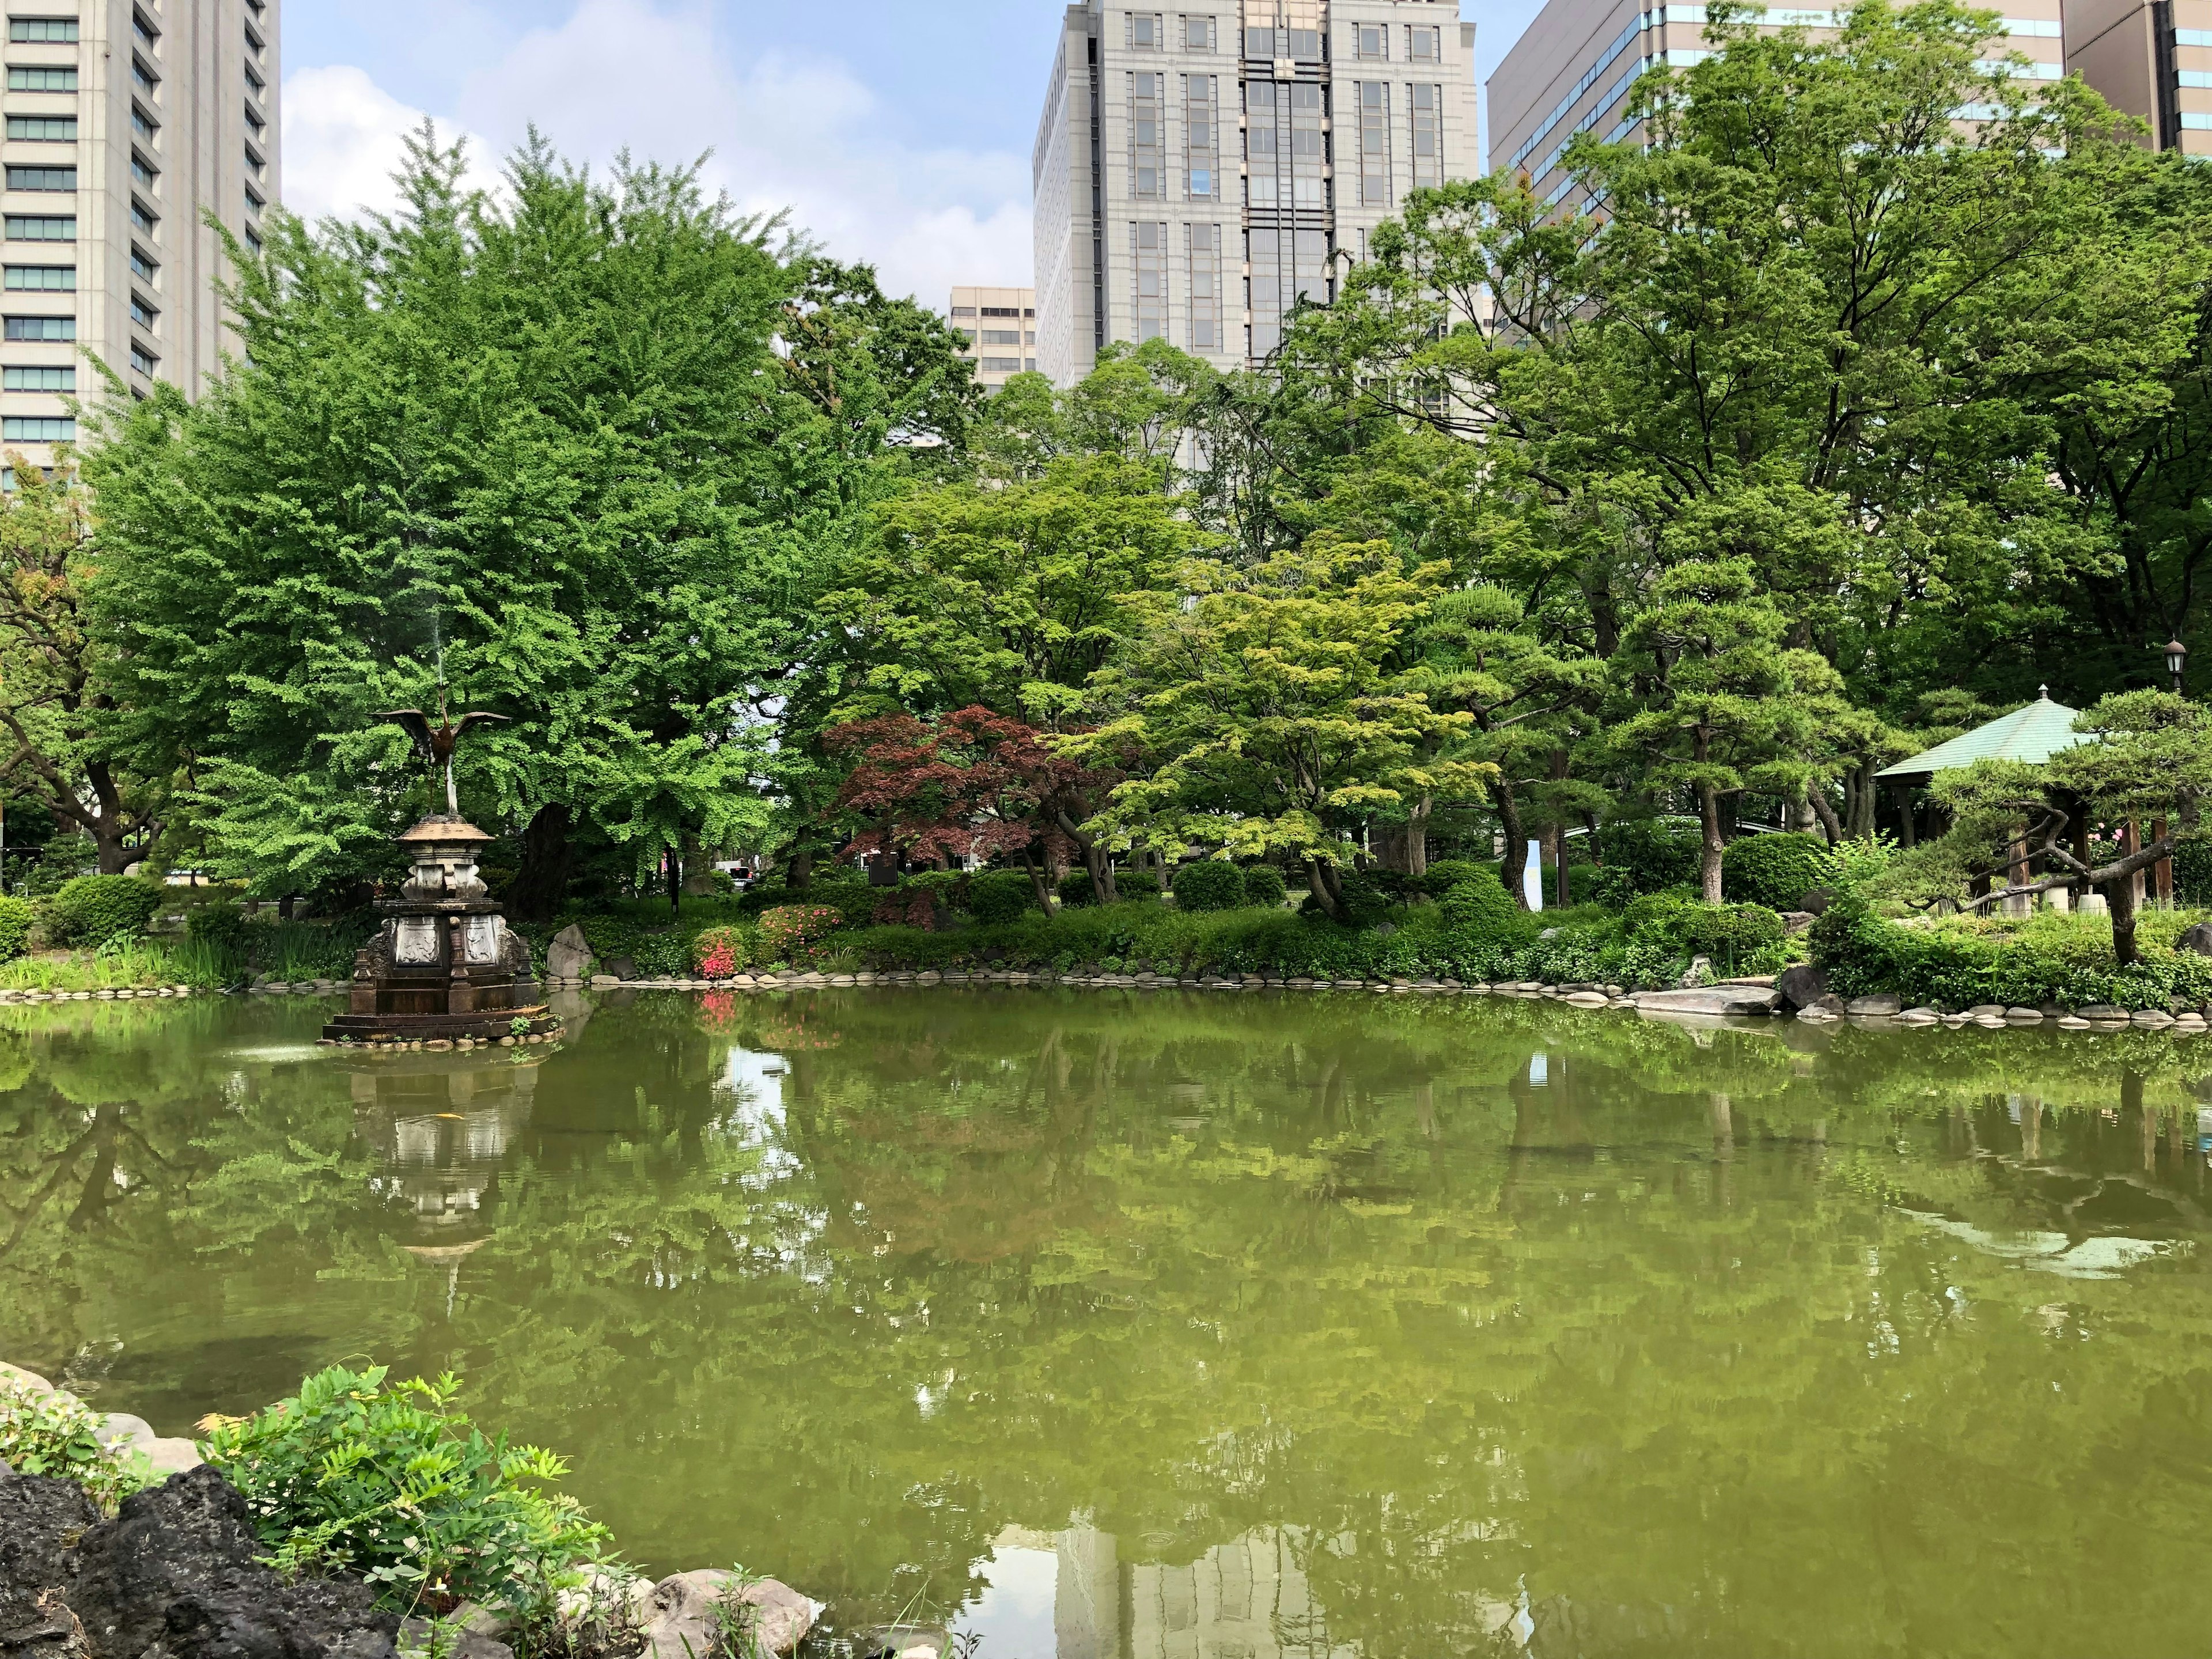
673 863
1098 864
1562 894
1326 887
540 888
1037 880
2121 895
1817 798
1709 859
799 870
1516 845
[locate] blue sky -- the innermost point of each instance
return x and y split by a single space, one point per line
900 136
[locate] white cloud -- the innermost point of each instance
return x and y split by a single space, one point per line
802 134
343 139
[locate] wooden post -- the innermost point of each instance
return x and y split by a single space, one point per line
2077 826
2130 844
2162 871
2019 904
1904 794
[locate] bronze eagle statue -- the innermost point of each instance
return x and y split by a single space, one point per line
436 743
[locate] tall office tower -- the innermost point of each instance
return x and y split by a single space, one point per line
1575 66
2138 54
1199 171
129 121
1001 327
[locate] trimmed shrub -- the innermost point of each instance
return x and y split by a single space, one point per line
1644 855
1209 884
1742 937
1075 890
96 909
1264 886
1776 871
997 896
1447 873
219 926
17 916
719 952
788 934
1480 905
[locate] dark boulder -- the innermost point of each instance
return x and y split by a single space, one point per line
176 1567
39 1520
1801 987
2197 939
1816 901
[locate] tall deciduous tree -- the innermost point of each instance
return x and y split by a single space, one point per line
582 446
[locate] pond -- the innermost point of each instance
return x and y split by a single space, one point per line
1123 1324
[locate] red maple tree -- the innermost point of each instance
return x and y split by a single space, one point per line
971 783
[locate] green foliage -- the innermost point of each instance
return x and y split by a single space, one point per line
56 1435
1479 904
221 927
1444 874
1963 962
1776 871
998 896
1742 937
1647 855
17 917
1208 885
1264 885
1075 890
791 933
393 1486
99 909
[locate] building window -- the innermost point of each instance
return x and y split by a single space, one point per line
144 172
45 377
254 164
255 124
38 428
34 228
24 77
1198 34
144 219
1144 146
1309 146
144 267
144 124
144 360
1304 44
41 328
1374 143
143 314
43 31
147 81
1002 337
252 238
1002 310
1422 45
1150 246
2194 77
1206 288
1428 136
1372 40
254 43
253 79
963 311
1146 33
1002 365
1288 266
1200 135
142 26
42 178
43 129
1029 364
253 202
1260 43
45 279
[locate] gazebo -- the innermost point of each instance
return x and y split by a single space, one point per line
2034 734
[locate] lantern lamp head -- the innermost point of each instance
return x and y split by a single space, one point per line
2177 659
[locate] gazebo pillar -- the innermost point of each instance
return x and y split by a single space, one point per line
1903 793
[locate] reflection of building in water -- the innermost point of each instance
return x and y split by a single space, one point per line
1246 1598
440 1127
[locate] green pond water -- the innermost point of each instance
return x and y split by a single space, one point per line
1109 1323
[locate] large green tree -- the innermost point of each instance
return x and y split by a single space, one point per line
581 447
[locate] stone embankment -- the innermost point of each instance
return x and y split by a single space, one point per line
179 1574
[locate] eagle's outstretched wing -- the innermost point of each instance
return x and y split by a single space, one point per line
416 725
477 717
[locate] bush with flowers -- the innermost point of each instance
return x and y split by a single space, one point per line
719 952
791 933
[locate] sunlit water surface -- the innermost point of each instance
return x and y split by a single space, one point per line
1135 1324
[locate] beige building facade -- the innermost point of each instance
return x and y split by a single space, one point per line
128 122
2152 58
1574 68
1200 170
1001 327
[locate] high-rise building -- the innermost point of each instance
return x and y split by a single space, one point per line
128 123
1199 170
2152 58
1574 67
1001 327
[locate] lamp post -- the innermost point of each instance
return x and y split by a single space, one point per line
2177 659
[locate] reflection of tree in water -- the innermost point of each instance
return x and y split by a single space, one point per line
1596 1356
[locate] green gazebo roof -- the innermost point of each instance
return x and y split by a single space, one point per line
2032 734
